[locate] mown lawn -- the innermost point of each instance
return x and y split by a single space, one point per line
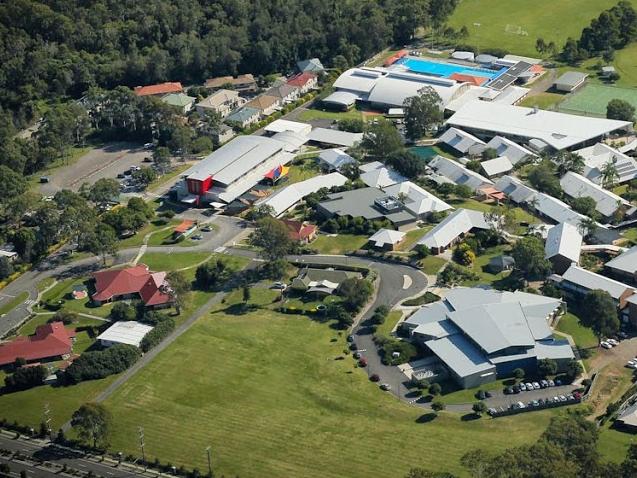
61 292
583 336
412 237
543 101
7 304
451 395
481 262
338 244
266 391
432 264
163 261
385 329
153 226
553 21
312 114
300 172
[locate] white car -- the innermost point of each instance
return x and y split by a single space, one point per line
606 345
630 363
613 342
633 365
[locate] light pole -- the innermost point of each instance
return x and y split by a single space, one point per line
209 452
141 445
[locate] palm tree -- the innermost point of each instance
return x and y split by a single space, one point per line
609 175
567 161
586 226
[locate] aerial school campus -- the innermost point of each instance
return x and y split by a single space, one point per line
422 264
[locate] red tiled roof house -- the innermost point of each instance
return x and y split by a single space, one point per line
300 231
50 342
159 89
304 81
132 283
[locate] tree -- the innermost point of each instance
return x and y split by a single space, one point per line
546 367
211 274
260 211
26 377
422 112
568 161
479 408
528 253
104 190
123 311
587 226
489 153
463 191
6 268
103 242
519 373
92 422
355 292
246 294
144 176
338 313
543 178
585 205
599 312
620 110
11 184
463 254
351 171
540 45
272 236
435 389
572 53
381 139
437 406
609 174
406 163
161 158
179 289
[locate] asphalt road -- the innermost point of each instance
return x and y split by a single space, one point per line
39 452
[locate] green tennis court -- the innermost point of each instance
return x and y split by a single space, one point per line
592 99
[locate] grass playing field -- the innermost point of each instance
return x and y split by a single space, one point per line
593 98
515 25
266 391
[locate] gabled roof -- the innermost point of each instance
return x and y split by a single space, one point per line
301 79
510 149
577 186
493 167
263 102
459 140
595 157
571 78
558 130
335 137
386 236
243 114
49 340
626 262
151 287
218 98
590 280
299 231
310 65
417 200
282 91
381 177
159 89
459 222
457 173
178 99
335 158
125 332
223 80
563 240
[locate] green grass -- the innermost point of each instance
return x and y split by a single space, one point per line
162 261
265 391
545 101
384 329
551 20
592 99
583 336
165 238
338 244
613 444
432 264
451 395
62 291
27 407
481 261
412 237
177 170
153 226
626 66
7 305
470 204
311 114
43 284
300 172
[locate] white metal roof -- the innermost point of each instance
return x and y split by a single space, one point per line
460 355
360 80
395 87
386 236
125 332
558 130
459 222
335 137
626 262
280 125
563 240
577 186
289 196
595 157
493 167
590 280
510 149
381 177
459 140
457 173
417 200
342 98
335 158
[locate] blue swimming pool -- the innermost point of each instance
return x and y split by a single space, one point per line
445 70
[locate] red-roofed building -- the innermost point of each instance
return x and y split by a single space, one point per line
464 78
186 228
132 283
50 342
300 231
304 81
159 89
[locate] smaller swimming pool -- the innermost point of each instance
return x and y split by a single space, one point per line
424 152
445 70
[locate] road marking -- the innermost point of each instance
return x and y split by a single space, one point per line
407 282
220 249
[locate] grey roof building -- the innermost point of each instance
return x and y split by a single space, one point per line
628 417
510 149
563 245
597 156
624 266
312 65
460 140
458 174
501 263
606 202
452 228
334 137
497 166
324 281
570 81
335 159
481 334
579 281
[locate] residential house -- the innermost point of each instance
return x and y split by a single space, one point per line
222 134
127 332
304 82
242 83
266 104
181 102
286 92
135 282
283 126
386 239
496 167
221 102
160 89
51 341
300 231
563 246
452 229
321 281
244 117
311 65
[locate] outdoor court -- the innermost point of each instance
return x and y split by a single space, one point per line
592 99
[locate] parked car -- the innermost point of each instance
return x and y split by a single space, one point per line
385 386
521 405
529 386
148 159
44 179
149 146
606 345
487 394
516 388
374 377
197 237
558 382
206 229
362 362
551 383
522 387
508 391
350 338
562 398
613 342
356 355
282 286
544 383
353 346
480 395
536 386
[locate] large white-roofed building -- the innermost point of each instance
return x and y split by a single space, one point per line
480 335
497 166
606 202
563 246
124 332
557 130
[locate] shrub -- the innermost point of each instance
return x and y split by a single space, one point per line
26 377
102 363
123 311
159 333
